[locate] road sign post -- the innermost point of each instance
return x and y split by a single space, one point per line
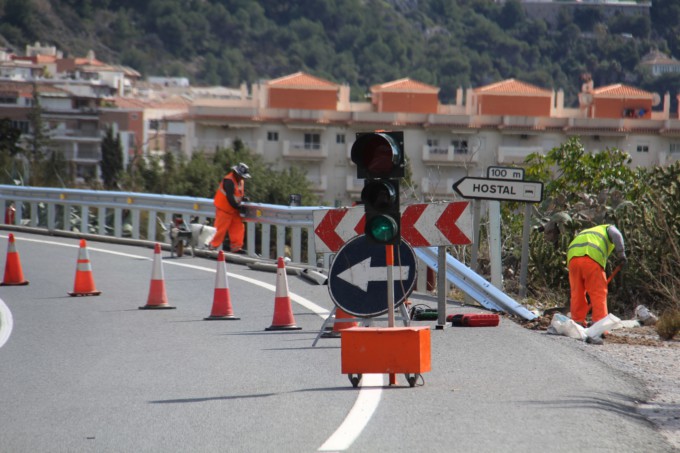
502 184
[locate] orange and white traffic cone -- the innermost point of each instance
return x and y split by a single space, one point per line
14 275
283 313
221 309
158 298
339 325
84 282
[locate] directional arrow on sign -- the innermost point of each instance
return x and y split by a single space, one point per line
334 227
361 273
437 224
495 189
422 225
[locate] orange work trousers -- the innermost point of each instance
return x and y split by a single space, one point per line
231 222
586 276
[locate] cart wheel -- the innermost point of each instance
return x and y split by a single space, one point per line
354 380
411 379
180 249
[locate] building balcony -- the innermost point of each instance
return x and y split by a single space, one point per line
451 155
75 135
516 154
436 186
354 185
668 158
318 183
304 151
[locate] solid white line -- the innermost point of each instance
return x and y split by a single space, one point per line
6 323
359 415
370 390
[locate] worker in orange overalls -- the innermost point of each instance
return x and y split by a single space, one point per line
227 201
587 258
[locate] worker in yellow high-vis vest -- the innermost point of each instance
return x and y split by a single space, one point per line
587 258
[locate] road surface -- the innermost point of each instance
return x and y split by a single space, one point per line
96 374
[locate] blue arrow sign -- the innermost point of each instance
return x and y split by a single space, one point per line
357 278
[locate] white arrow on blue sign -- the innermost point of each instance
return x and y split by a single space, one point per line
357 278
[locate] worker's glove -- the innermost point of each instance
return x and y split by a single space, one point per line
623 261
246 199
242 210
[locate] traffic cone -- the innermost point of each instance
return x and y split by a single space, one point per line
283 313
221 309
84 283
342 325
14 276
157 299
338 324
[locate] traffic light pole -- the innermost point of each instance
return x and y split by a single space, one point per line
389 261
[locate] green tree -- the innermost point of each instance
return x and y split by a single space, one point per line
112 159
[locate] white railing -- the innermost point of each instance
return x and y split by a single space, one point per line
135 216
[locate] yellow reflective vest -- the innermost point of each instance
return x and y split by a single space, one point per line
593 242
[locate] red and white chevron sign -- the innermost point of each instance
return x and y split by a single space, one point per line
422 225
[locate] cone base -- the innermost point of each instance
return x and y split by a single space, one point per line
221 318
91 293
283 328
157 307
24 283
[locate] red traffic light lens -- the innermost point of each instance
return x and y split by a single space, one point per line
377 153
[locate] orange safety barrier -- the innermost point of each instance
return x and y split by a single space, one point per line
221 308
283 312
14 275
158 298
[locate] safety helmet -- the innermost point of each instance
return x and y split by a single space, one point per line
242 170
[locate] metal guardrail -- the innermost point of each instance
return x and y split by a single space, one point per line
135 215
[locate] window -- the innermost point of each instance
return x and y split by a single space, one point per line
432 142
312 141
340 139
272 136
21 125
459 146
154 124
675 147
6 99
642 148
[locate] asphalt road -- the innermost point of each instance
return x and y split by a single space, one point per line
96 374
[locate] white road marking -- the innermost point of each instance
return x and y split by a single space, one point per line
370 389
6 323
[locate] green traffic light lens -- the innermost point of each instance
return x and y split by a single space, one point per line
382 228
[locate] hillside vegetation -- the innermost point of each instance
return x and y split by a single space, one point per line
360 42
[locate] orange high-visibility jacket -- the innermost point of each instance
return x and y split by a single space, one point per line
220 201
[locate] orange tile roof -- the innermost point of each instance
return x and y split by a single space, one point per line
302 80
406 84
512 86
619 90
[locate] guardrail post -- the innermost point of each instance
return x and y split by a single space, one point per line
101 219
296 244
135 224
266 239
151 226
34 215
51 213
280 241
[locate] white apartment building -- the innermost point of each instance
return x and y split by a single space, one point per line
309 123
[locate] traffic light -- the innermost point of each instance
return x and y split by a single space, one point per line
379 157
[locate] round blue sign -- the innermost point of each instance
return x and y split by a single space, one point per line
357 278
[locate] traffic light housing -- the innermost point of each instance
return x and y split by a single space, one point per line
379 157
